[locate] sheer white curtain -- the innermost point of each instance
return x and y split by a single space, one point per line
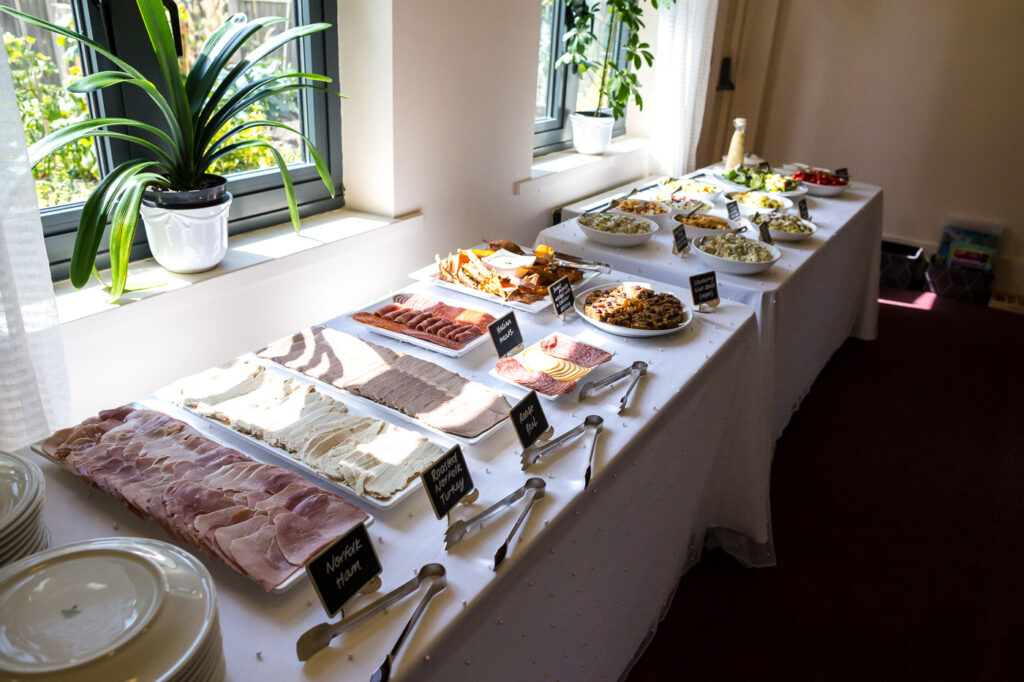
34 398
685 35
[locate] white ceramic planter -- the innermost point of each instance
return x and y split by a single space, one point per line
591 134
188 239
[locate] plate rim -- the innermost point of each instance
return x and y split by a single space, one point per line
580 302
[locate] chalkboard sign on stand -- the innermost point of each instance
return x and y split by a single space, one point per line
340 571
447 481
528 419
704 289
562 297
505 335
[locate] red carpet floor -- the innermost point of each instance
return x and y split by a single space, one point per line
898 513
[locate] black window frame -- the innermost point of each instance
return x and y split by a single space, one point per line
553 132
258 196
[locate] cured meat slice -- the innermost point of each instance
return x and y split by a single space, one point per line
574 351
418 388
202 493
513 370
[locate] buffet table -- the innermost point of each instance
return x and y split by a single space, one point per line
591 571
824 289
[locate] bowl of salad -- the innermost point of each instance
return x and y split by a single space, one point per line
613 228
764 179
751 203
652 210
691 187
700 225
786 228
820 182
736 255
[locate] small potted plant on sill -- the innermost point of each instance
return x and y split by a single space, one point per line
183 205
592 130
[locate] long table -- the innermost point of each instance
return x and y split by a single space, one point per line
588 578
822 291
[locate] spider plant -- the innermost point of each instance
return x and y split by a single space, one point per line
197 108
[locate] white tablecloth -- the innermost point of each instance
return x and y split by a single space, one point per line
592 571
824 290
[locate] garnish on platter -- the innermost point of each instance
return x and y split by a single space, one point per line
505 270
551 366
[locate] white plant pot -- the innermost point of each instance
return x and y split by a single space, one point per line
591 134
188 240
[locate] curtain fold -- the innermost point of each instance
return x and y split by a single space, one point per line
685 36
34 397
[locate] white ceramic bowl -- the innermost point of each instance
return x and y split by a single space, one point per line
671 185
695 232
751 210
780 236
664 220
825 190
613 239
735 267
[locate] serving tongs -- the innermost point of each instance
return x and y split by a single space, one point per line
383 673
637 370
581 263
319 636
535 452
462 528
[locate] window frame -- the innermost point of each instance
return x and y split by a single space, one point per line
259 199
554 133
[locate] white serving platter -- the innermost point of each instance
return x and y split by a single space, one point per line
679 293
736 267
523 390
412 340
268 454
430 274
369 407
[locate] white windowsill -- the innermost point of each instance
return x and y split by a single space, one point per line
244 251
552 169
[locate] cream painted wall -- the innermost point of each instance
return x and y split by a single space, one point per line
922 97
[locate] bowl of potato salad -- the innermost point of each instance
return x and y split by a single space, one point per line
786 228
617 229
736 255
751 203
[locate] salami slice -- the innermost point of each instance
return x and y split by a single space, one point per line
514 371
576 352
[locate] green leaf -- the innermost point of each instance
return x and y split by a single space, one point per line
155 19
93 220
99 80
96 126
318 160
289 188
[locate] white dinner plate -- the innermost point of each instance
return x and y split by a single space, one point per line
681 294
99 609
412 340
21 490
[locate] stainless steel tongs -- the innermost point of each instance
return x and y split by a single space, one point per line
637 369
460 529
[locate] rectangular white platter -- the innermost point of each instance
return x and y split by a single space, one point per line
523 390
412 340
430 274
384 412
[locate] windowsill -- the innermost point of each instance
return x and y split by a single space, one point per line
561 166
244 251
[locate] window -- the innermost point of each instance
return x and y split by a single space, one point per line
43 63
560 92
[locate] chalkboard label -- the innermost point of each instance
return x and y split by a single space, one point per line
447 481
679 235
339 572
505 334
766 236
704 288
844 173
734 210
804 213
562 297
529 420
764 166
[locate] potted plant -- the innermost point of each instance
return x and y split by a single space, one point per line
183 205
592 130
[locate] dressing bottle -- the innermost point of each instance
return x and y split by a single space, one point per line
739 141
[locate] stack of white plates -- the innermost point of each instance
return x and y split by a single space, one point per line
111 609
22 530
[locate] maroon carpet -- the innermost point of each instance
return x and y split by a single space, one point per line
898 513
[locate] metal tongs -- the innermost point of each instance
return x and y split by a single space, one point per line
637 369
581 263
319 636
535 452
383 673
460 529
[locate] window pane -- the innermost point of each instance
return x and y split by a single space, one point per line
544 70
199 18
41 65
590 82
